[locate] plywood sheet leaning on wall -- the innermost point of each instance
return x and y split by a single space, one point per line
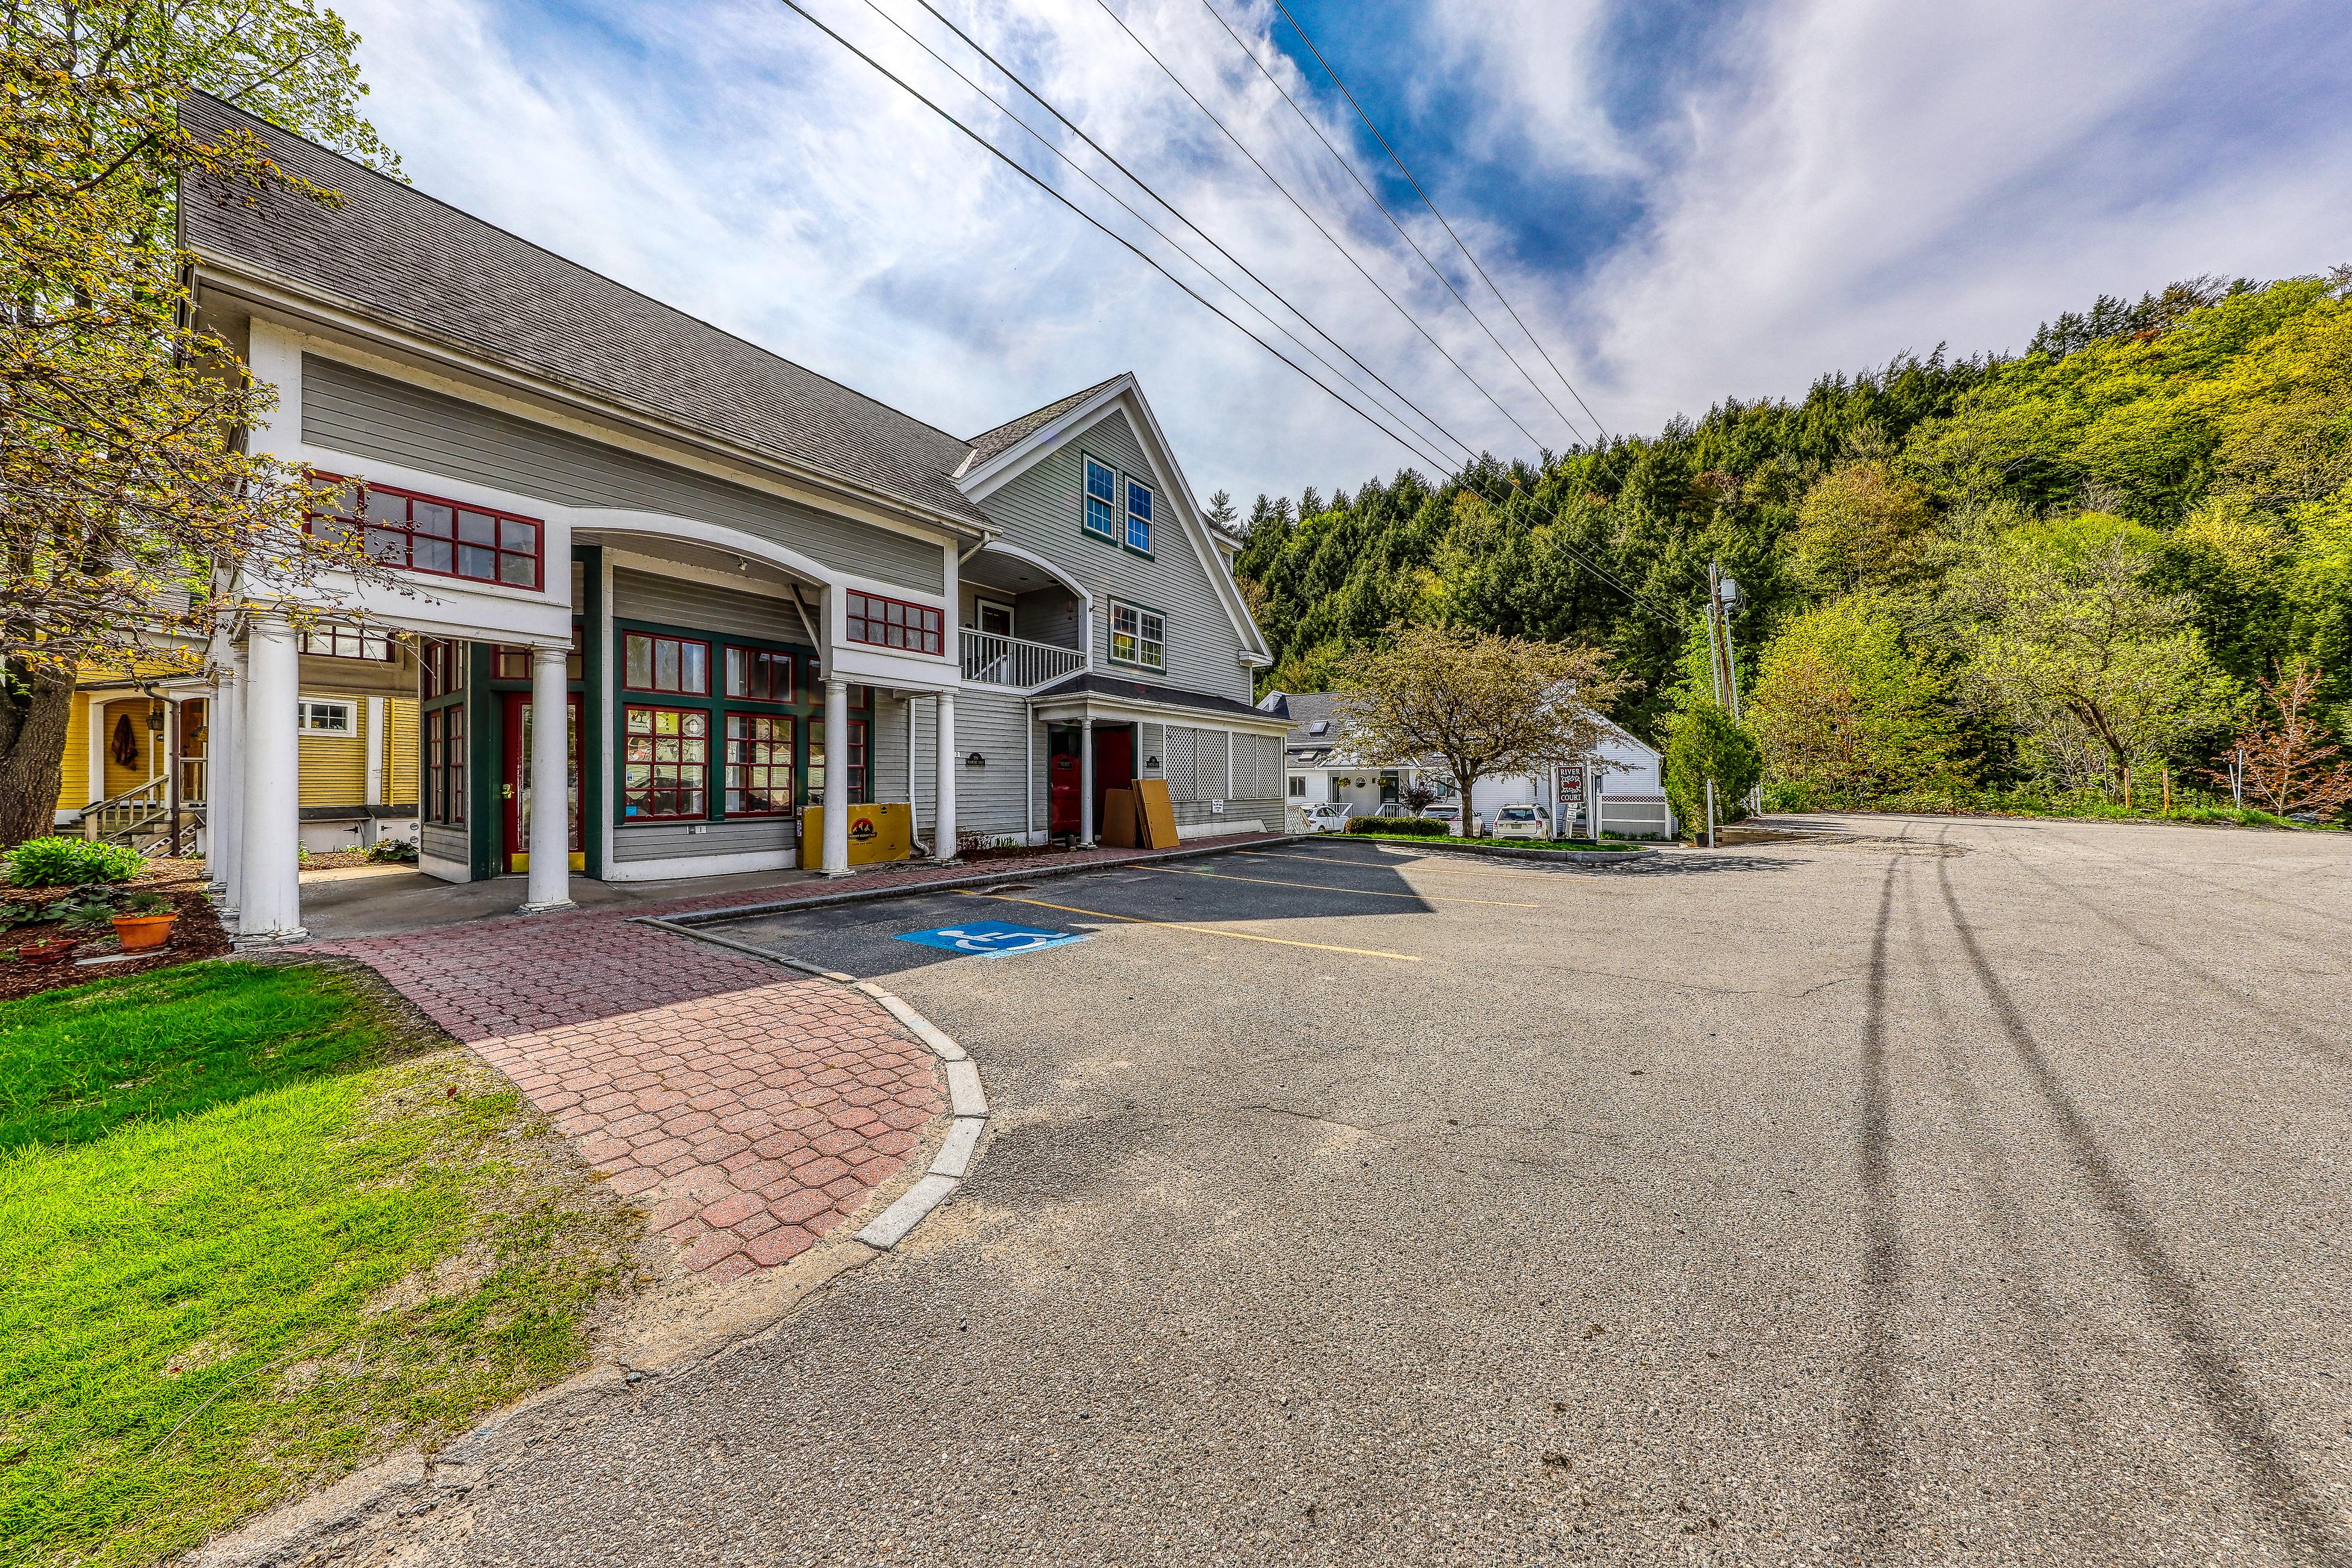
1118 824
1159 815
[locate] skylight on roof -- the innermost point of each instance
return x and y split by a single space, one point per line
1321 726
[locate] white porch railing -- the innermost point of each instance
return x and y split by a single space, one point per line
994 660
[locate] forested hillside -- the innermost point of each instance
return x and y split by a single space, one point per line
2152 504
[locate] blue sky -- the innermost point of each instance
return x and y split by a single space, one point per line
1684 200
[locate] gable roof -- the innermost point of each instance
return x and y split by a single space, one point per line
1005 436
1306 710
397 255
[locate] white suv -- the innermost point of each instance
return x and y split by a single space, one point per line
1522 822
1450 813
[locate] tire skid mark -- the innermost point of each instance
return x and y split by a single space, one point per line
2240 1416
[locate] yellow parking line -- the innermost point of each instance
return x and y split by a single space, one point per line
1203 930
1425 863
1326 887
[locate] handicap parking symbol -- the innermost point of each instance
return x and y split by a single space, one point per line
990 938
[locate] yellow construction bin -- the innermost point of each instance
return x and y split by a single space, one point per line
877 833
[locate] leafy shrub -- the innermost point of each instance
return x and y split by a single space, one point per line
1705 742
65 862
1408 827
399 851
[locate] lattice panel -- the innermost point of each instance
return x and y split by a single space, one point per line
1182 747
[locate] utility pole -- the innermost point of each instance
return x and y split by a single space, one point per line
1723 659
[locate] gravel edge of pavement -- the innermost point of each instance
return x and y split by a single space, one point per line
345 1518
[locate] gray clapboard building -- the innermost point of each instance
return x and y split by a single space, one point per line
738 588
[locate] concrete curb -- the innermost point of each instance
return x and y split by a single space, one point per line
339 1522
966 1099
1012 872
1493 852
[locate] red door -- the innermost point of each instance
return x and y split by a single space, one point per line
1062 794
515 792
1114 765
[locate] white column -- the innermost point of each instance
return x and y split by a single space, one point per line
225 780
1086 782
269 835
376 711
835 860
943 744
551 784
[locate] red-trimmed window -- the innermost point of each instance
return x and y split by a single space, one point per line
895 624
444 667
759 765
758 676
856 761
444 764
664 764
430 534
653 663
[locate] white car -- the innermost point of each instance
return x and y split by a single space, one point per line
1450 813
1327 816
1522 822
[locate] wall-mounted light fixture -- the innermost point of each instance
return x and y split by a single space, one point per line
975 760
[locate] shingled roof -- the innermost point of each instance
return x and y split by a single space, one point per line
396 255
988 443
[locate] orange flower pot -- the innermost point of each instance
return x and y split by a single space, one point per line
138 933
54 950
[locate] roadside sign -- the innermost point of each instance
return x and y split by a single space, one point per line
1571 783
990 938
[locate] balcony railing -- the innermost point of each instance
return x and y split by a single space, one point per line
993 660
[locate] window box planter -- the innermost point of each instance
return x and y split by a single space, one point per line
140 932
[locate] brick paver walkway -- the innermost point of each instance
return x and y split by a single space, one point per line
750 1113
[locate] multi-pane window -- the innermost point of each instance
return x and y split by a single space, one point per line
1102 500
325 717
854 763
444 764
893 624
1139 517
758 777
444 667
347 643
664 763
652 663
1138 636
400 528
758 676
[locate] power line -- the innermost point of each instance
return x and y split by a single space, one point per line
1311 218
1014 164
1472 456
1330 71
1434 270
1079 132
1636 597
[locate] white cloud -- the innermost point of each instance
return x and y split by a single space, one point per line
1868 179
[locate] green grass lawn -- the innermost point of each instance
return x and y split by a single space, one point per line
1452 840
245 1247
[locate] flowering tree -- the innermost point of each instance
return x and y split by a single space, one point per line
1477 703
135 527
2291 761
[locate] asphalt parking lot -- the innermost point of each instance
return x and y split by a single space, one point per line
1894 1191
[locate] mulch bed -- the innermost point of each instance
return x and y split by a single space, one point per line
197 934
